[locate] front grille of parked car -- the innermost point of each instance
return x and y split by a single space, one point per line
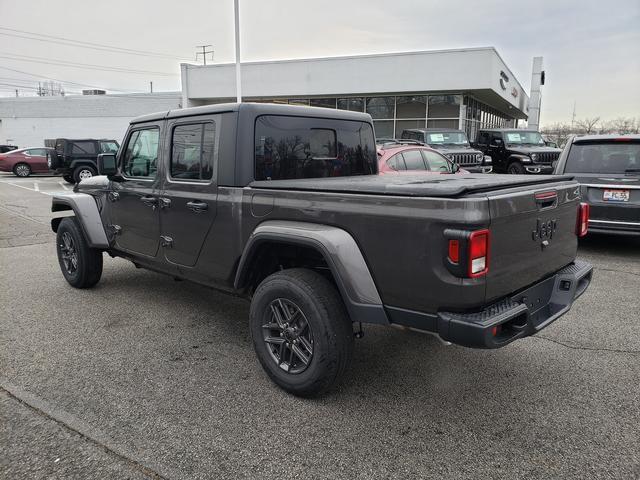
466 158
547 157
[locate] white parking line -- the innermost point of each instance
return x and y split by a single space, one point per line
27 188
63 185
36 187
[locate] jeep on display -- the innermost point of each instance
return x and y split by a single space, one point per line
454 145
76 159
517 151
283 205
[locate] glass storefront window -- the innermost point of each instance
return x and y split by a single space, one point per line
444 106
411 107
323 102
355 104
381 107
298 101
446 123
383 128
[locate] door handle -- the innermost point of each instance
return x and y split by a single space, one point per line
113 196
197 206
149 201
165 202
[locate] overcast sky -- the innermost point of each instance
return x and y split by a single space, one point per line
591 49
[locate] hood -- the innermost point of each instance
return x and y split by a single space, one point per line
445 149
529 150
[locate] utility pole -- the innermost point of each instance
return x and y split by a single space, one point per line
573 115
204 52
16 92
151 86
236 13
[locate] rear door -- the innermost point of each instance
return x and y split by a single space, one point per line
533 234
189 193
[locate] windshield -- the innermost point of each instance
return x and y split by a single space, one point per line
524 138
447 138
614 157
109 147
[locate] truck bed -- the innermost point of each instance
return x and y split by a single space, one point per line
419 185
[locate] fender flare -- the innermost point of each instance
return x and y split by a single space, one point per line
86 211
83 161
518 158
340 251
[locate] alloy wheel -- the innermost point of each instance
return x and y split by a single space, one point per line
23 170
69 253
84 174
288 336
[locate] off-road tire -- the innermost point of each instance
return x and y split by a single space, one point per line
88 260
79 171
325 312
68 179
516 168
21 170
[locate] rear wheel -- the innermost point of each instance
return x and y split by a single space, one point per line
301 331
83 172
21 170
516 168
68 179
81 265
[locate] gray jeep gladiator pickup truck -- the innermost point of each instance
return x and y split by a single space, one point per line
282 204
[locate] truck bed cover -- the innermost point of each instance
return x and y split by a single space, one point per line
412 185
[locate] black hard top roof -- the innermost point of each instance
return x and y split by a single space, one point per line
256 109
432 129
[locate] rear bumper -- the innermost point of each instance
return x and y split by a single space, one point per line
614 227
519 315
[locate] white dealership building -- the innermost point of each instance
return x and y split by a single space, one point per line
462 88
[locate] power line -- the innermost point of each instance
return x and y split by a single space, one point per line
80 43
62 63
204 52
66 81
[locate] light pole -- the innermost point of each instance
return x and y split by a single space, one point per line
236 12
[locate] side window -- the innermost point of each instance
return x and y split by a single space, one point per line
397 162
192 151
436 162
483 138
300 147
38 152
83 148
413 160
141 154
108 147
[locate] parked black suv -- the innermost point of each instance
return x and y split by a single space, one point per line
7 148
517 151
454 145
76 159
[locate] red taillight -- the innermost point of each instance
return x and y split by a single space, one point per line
583 219
478 253
454 251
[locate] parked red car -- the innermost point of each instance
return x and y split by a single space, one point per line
25 161
398 157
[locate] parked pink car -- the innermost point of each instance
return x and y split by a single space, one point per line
399 157
25 161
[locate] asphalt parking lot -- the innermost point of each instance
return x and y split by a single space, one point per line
145 377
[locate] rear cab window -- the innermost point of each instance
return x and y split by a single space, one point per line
289 147
193 148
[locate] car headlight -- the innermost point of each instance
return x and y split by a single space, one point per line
479 156
487 159
534 156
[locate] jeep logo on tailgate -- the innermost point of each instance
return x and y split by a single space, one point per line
544 230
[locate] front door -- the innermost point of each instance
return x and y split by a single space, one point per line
37 159
133 203
189 193
496 149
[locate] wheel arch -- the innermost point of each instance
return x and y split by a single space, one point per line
86 212
337 248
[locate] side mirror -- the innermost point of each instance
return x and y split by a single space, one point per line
107 164
455 168
554 164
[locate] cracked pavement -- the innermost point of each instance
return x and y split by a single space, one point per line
144 377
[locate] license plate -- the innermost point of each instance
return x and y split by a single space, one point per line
616 196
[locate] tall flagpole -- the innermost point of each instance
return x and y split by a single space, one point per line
236 11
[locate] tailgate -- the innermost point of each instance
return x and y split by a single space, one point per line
533 234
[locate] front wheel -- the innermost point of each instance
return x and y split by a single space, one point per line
516 168
81 265
83 172
22 170
68 179
301 331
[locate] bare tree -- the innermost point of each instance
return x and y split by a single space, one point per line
622 125
558 132
588 125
